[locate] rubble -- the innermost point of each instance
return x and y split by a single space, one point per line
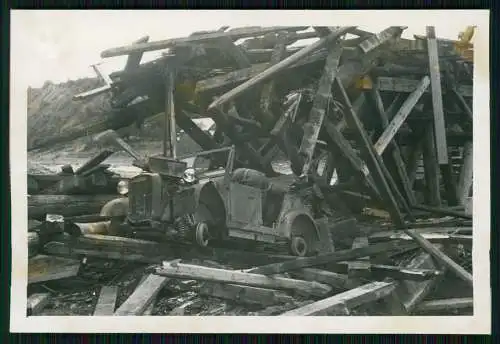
376 129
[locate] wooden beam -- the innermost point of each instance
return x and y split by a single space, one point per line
403 85
374 161
142 296
443 211
36 303
107 301
401 115
466 174
353 298
360 267
315 121
42 268
338 256
234 34
437 97
134 59
445 305
411 293
179 270
244 294
459 271
336 280
346 149
395 151
374 41
431 168
269 72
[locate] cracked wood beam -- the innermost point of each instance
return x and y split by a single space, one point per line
170 132
269 72
268 91
315 121
437 97
234 34
134 59
442 258
341 303
375 162
431 168
395 151
400 117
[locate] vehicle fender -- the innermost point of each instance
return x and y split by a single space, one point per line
117 207
298 222
208 194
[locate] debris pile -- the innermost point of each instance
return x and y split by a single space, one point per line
376 130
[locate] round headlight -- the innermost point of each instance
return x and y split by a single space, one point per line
189 175
122 187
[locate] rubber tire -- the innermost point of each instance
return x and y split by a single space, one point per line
296 243
201 234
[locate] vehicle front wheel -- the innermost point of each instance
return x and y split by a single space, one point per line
202 235
299 246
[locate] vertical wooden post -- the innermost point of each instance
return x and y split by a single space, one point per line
437 97
431 168
466 177
313 126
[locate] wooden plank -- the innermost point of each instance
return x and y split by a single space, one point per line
338 256
234 34
349 299
403 273
269 72
242 278
401 115
459 271
42 268
431 168
360 267
402 85
437 97
410 293
134 59
445 305
466 174
102 75
315 121
107 300
374 161
36 303
142 296
244 294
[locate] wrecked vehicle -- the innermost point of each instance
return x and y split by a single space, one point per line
207 203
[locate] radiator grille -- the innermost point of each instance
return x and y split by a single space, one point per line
140 198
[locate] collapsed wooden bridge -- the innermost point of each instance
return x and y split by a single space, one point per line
377 123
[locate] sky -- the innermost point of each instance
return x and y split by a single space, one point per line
61 45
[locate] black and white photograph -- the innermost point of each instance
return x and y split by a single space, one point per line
189 165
